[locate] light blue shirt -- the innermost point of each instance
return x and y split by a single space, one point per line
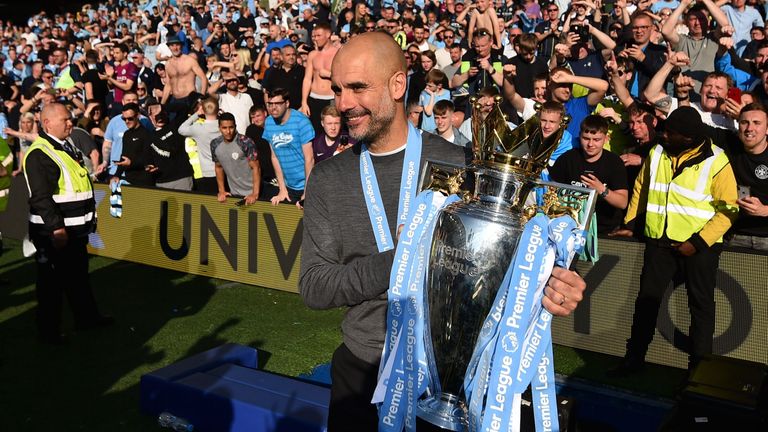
742 22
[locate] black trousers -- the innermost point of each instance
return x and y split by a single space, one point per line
316 107
63 272
660 264
353 383
182 107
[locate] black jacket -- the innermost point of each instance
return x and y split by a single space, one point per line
43 178
137 147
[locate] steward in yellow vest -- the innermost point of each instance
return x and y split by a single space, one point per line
62 215
687 192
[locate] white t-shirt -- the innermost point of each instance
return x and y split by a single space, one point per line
239 106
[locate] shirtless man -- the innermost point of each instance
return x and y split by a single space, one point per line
316 91
484 17
180 95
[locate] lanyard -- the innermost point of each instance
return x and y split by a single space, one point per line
372 194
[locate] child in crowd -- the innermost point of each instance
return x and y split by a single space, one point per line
433 92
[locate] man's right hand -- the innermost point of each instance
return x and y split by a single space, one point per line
631 159
280 197
59 238
620 232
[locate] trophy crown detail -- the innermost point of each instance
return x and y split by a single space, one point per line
524 149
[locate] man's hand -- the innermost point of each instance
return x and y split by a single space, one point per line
679 58
100 168
486 65
222 196
724 44
560 77
620 232
592 182
683 85
510 71
686 249
610 113
731 108
59 238
631 159
752 206
634 52
280 197
124 162
562 50
251 198
109 70
727 30
563 292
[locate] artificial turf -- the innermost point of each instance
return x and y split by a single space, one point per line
92 383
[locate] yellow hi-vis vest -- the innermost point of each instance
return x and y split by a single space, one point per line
65 80
680 207
73 194
6 159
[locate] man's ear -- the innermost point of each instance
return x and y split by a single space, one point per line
398 84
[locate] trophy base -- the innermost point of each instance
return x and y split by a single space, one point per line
444 410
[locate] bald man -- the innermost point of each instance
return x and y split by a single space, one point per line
342 265
62 213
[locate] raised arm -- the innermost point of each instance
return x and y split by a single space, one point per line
508 89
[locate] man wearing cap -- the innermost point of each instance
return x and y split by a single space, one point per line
687 190
180 93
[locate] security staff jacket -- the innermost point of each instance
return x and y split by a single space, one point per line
60 189
688 197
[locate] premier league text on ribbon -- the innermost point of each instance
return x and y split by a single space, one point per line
514 321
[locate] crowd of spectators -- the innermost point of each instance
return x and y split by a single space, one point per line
233 98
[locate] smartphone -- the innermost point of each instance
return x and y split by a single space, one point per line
744 192
588 172
734 94
240 203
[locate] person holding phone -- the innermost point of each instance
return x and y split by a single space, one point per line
748 151
591 167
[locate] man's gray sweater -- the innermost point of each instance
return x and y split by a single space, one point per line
341 264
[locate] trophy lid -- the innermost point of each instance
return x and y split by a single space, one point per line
524 149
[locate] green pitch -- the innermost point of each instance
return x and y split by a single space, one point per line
92 383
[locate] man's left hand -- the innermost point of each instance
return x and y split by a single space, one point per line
593 182
563 292
753 206
686 249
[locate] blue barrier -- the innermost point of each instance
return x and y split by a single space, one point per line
221 390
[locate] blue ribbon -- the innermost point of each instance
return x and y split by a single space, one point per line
408 188
502 366
404 376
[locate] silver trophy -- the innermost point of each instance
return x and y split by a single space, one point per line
474 242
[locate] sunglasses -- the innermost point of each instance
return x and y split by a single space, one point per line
127 119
